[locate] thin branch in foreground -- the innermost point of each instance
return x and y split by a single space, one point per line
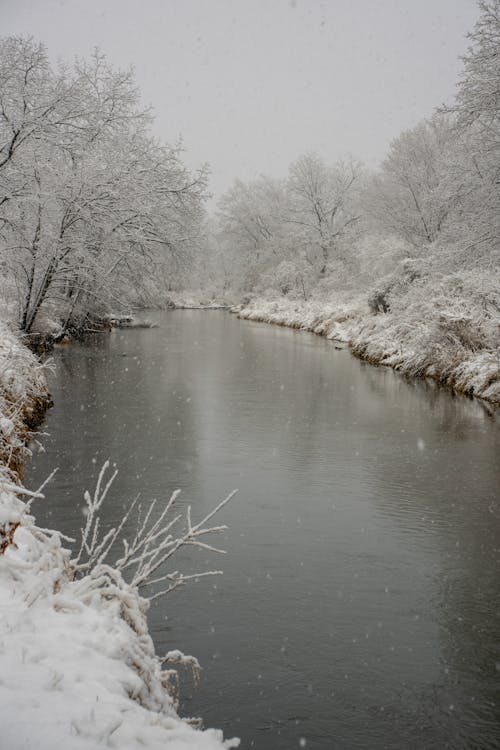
156 540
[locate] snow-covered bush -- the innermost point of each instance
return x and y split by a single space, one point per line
442 326
78 664
159 535
23 398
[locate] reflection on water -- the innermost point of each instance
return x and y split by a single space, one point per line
360 602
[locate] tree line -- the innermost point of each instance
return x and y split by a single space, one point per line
429 217
95 212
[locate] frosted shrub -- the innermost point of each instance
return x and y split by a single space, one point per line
23 398
377 301
444 326
116 589
154 544
140 566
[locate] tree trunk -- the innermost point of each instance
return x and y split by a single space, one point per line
41 294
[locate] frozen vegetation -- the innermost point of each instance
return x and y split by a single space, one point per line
96 215
445 336
79 668
99 217
403 262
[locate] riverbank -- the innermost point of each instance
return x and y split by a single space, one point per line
79 667
196 300
24 400
444 346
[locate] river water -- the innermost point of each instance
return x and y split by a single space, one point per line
359 606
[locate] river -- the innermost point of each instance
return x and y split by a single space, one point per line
359 606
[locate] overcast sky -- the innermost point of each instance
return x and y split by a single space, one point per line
252 84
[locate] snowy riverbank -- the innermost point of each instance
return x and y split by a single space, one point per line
78 667
446 345
196 300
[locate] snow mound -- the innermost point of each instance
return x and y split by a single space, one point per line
74 672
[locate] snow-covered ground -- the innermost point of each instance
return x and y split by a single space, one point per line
197 299
444 343
78 667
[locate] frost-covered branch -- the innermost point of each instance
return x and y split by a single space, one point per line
144 557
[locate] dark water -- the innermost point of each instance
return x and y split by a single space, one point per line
360 602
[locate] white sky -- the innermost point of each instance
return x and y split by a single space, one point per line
252 84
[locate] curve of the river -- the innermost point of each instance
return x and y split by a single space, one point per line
359 607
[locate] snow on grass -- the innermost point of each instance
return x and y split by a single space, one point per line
23 397
334 321
78 667
74 672
448 338
196 300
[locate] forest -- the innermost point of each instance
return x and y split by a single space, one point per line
404 262
98 217
94 211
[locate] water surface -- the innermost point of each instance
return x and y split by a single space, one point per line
359 607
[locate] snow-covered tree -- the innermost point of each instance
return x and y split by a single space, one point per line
477 111
322 204
250 218
411 196
93 210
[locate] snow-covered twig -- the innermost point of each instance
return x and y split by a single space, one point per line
144 557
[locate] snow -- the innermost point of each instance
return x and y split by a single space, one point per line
195 300
322 318
21 383
79 669
67 664
420 339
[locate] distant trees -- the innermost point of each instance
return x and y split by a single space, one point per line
432 209
91 205
410 196
250 227
284 234
322 205
96 213
477 112
478 99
